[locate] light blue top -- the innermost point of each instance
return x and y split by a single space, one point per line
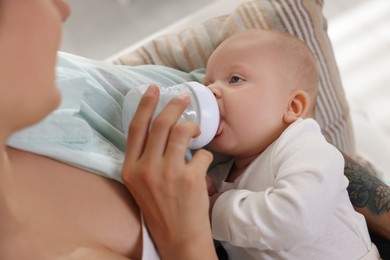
86 130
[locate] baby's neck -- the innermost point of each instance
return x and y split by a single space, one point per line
239 165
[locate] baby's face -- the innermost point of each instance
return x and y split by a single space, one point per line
252 96
30 34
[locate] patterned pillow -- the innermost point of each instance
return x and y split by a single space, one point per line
190 49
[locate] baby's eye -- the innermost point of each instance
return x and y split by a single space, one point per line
235 79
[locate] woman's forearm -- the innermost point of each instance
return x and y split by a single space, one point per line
369 196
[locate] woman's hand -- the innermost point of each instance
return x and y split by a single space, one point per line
171 193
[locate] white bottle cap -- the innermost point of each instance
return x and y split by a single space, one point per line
208 114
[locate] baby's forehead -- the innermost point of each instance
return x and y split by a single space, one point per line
276 47
256 42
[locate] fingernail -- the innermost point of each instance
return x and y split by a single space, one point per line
151 91
183 96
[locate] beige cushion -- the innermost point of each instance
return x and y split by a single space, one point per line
189 49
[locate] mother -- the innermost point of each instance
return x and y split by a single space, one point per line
52 210
48 209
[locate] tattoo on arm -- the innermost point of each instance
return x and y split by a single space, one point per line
366 190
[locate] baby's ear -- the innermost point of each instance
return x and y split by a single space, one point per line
298 106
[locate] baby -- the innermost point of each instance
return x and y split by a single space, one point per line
283 195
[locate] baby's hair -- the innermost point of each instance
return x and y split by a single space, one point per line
299 65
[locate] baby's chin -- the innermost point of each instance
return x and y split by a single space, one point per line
217 145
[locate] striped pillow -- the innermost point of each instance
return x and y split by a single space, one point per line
190 49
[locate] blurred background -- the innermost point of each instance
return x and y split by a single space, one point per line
99 28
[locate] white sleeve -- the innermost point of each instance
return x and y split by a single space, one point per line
295 210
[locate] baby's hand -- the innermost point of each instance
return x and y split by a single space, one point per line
213 199
211 189
213 193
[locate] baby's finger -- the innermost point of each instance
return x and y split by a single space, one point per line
162 125
211 189
139 126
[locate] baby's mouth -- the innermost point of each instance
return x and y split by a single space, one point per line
219 130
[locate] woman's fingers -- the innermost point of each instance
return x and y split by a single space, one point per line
139 126
178 140
201 161
150 146
162 126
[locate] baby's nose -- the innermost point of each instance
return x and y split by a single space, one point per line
214 87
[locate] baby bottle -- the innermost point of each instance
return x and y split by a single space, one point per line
203 108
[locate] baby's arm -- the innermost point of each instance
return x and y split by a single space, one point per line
305 182
282 217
